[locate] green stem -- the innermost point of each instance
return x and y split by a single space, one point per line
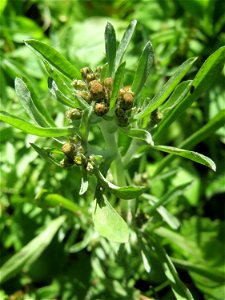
117 167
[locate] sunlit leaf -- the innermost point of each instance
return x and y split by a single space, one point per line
56 59
143 69
32 129
110 46
109 223
194 156
167 89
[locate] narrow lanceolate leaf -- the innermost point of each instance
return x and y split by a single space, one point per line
28 254
53 57
178 95
27 102
205 77
110 46
143 69
194 156
56 92
32 129
109 223
139 134
124 43
167 89
126 192
200 135
45 154
117 84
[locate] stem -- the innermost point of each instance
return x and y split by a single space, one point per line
117 167
111 143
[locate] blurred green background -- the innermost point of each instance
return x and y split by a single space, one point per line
78 264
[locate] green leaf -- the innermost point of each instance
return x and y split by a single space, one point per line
194 156
56 92
180 291
139 134
199 269
143 69
117 84
126 192
84 184
32 129
200 135
28 254
124 43
45 199
56 59
167 89
110 46
109 223
27 102
178 95
45 154
205 77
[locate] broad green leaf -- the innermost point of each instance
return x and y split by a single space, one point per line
45 199
110 46
32 129
45 154
209 71
200 135
167 89
126 192
124 43
27 102
117 84
194 156
139 134
109 223
143 69
28 254
53 57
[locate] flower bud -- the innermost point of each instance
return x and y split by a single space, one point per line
74 114
95 87
85 95
108 82
85 71
68 149
101 108
127 100
78 84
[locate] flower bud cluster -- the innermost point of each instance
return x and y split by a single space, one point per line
124 105
75 155
91 89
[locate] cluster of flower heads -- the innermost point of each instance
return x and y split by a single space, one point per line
92 89
75 155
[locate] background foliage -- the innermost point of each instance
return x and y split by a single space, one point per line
74 262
